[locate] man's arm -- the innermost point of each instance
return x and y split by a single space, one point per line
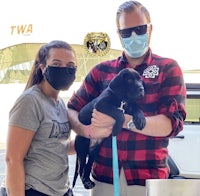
101 130
156 126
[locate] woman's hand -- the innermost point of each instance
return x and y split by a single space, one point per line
71 149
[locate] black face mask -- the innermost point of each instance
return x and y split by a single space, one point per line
60 78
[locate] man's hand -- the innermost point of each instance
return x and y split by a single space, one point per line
101 125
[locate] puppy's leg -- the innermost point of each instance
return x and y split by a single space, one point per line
85 113
76 172
82 149
138 117
88 183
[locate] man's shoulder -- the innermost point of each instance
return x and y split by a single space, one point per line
109 66
110 62
162 59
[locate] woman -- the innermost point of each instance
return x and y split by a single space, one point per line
38 133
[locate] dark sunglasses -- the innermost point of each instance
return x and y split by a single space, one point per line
139 30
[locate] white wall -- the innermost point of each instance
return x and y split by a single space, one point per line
9 93
175 24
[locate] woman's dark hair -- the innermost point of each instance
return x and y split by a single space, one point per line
36 75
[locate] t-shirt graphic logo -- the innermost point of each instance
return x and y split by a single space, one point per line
151 71
60 130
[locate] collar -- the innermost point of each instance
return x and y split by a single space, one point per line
147 61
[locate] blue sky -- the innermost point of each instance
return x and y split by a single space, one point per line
175 24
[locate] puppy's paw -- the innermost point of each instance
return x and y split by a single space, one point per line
139 122
88 184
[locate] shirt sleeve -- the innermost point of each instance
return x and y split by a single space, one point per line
25 113
172 97
87 91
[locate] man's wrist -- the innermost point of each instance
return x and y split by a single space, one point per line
131 125
88 131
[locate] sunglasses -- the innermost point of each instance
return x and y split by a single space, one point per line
139 30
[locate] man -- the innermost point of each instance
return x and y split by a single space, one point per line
141 154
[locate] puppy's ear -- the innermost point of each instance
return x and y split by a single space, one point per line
118 80
144 85
117 85
115 82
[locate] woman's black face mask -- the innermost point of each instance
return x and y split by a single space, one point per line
60 78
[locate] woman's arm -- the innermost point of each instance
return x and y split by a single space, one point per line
18 142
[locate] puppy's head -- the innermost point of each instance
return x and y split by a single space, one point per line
127 85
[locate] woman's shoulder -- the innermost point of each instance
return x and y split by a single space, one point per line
30 96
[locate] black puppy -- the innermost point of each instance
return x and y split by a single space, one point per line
124 89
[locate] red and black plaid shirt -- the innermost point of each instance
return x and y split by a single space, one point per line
142 157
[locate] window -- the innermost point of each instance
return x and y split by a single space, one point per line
193 109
